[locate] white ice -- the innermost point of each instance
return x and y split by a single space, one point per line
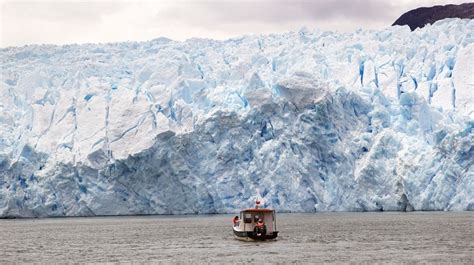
315 120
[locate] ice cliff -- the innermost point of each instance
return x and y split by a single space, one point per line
315 120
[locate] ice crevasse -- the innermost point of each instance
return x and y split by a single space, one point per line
314 120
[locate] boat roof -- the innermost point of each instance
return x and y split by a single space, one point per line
259 210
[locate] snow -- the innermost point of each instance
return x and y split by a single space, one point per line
313 120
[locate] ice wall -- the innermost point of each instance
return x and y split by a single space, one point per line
316 121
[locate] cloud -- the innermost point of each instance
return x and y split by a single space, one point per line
51 22
215 13
77 21
274 12
66 12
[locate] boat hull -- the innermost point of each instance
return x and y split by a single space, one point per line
252 236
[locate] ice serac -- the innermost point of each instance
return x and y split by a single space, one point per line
463 81
314 120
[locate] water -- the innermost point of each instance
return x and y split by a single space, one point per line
328 237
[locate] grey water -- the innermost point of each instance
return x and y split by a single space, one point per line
307 238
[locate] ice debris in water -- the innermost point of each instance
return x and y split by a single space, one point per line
316 120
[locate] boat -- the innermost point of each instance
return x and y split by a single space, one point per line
255 224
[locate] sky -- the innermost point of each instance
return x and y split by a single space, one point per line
92 21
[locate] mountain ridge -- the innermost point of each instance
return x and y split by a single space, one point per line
419 17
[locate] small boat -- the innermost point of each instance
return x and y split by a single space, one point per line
255 224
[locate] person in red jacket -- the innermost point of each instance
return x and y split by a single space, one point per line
236 220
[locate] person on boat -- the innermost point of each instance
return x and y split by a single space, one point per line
260 227
236 220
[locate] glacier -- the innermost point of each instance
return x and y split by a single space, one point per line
313 120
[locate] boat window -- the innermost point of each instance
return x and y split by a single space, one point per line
248 218
257 216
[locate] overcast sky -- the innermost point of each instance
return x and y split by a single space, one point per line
72 21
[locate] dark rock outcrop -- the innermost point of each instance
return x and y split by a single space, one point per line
418 18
